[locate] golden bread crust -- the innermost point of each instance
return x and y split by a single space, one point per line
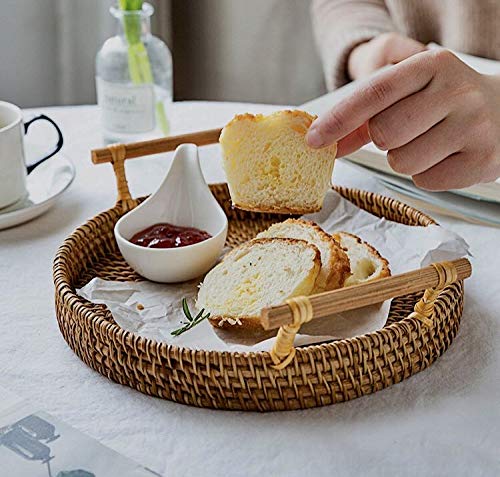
247 323
276 210
339 266
385 272
291 113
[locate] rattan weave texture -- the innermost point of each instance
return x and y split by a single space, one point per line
319 375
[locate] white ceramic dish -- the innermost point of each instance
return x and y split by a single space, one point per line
183 198
45 186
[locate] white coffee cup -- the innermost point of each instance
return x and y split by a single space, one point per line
13 170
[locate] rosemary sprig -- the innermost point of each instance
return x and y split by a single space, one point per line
191 322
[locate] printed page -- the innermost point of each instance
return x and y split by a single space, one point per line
35 444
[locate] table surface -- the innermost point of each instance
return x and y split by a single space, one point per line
443 421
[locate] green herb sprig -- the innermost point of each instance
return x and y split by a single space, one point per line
191 322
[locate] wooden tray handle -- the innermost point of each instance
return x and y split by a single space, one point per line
157 146
117 154
299 310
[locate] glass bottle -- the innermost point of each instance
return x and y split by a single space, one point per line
134 90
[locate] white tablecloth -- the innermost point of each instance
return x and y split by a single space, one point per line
443 421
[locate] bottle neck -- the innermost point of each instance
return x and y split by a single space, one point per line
134 27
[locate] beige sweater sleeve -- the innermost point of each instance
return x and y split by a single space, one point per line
340 25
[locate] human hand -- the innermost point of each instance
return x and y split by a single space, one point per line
438 119
385 49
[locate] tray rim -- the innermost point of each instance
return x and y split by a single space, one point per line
321 374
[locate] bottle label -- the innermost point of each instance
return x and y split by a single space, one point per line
126 108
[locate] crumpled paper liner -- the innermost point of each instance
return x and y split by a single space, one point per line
160 311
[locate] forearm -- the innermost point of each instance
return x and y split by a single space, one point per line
340 25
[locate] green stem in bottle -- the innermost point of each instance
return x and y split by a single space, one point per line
138 60
162 118
147 76
132 31
133 66
143 62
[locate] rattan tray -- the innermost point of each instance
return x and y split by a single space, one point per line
318 375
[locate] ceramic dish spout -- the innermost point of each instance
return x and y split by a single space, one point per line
184 199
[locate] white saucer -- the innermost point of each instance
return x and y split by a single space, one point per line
45 185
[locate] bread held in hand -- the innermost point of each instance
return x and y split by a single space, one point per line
270 168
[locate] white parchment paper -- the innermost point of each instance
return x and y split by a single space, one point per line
405 247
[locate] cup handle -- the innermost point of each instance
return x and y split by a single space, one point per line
57 147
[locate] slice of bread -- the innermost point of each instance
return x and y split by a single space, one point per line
335 267
366 263
270 168
257 274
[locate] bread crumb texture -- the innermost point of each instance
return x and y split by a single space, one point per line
335 269
270 168
366 262
260 273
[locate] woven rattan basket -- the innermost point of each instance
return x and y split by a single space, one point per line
318 375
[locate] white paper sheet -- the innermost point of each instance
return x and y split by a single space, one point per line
405 247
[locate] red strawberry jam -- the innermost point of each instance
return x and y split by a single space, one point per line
169 236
